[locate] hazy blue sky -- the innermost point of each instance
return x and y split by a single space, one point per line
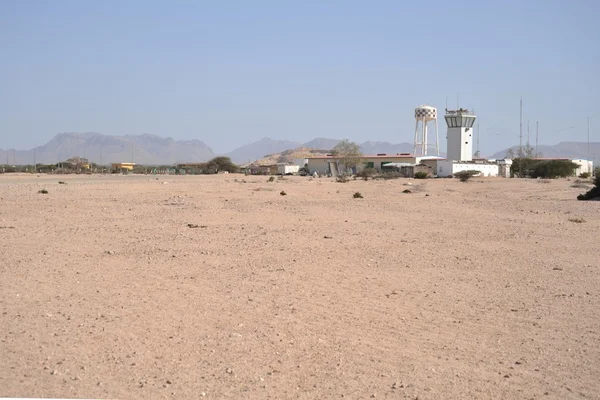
231 72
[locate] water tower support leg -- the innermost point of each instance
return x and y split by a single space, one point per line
416 136
424 151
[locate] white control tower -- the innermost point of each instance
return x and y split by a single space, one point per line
460 134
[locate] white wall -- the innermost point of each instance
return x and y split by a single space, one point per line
460 144
446 168
584 166
288 169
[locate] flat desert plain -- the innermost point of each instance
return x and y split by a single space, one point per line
478 290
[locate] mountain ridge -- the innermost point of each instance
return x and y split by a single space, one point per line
154 149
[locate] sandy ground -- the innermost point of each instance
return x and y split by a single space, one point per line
482 290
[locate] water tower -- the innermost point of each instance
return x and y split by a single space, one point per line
425 114
460 134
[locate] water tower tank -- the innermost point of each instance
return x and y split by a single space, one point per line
424 114
427 113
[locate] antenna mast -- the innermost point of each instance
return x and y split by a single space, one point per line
478 135
537 130
521 138
588 149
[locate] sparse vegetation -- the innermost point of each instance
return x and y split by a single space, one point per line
406 191
304 171
421 175
550 169
584 175
367 173
342 178
464 176
43 191
593 193
357 195
577 220
283 193
62 183
579 184
271 179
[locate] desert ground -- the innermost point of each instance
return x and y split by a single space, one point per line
478 290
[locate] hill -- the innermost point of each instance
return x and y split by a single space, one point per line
259 149
104 149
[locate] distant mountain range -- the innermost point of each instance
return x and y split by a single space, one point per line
152 149
104 149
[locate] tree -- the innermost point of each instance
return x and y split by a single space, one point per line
348 153
218 164
554 169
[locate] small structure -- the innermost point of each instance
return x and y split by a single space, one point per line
284 169
122 167
260 169
408 170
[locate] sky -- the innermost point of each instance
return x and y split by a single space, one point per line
232 72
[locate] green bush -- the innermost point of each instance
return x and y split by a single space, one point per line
553 169
584 175
421 175
464 176
593 193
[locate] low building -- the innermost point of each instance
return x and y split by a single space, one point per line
122 167
285 169
329 164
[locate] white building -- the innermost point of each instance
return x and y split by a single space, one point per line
585 166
